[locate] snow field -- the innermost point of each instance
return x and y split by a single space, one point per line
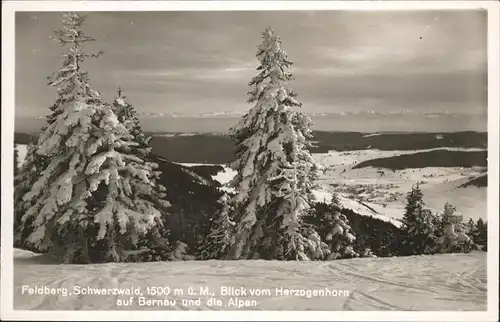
338 170
438 185
454 282
225 176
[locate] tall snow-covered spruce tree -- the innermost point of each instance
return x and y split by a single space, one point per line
276 172
157 239
69 81
90 203
139 146
26 176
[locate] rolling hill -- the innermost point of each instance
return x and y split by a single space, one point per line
219 149
433 158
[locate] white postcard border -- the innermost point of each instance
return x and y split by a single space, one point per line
8 76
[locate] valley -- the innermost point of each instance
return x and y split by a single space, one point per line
371 173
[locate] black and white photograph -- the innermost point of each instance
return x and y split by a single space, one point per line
244 159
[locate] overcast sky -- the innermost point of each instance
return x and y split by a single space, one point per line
201 62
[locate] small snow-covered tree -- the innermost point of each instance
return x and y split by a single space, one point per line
367 252
480 234
444 219
92 202
337 233
449 215
335 200
419 225
221 228
470 227
275 170
452 235
180 253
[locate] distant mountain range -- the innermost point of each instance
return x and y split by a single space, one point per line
219 149
229 113
368 121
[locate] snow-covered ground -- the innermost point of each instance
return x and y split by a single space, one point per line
386 191
223 177
454 282
384 196
170 135
371 134
357 207
441 282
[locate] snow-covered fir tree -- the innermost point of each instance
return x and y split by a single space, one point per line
91 202
470 227
367 252
141 147
480 234
334 228
419 225
180 253
452 235
450 216
445 218
69 81
221 228
29 171
127 115
275 170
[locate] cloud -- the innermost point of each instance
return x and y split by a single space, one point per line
220 74
201 62
392 59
